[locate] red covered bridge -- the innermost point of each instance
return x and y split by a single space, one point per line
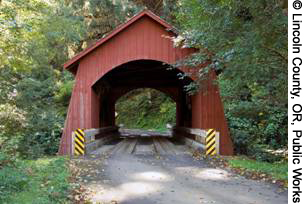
136 55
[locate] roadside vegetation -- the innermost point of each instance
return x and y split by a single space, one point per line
277 170
245 43
44 180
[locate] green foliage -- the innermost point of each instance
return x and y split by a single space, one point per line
245 43
64 92
100 17
33 47
252 124
36 39
34 181
264 153
12 181
278 170
145 109
163 8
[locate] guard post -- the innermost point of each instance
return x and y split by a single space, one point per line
212 143
79 142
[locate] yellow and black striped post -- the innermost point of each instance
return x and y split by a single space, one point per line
210 143
79 140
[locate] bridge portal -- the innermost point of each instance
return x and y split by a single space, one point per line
139 54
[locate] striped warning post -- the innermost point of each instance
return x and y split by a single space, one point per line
210 143
79 142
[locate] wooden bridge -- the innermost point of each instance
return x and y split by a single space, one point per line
137 55
129 141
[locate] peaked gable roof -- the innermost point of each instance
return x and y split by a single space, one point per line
74 61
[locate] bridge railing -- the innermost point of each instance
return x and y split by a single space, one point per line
195 138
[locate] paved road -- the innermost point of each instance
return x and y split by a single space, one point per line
152 170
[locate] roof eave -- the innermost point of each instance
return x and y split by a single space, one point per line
75 60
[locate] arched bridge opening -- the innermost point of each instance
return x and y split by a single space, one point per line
142 74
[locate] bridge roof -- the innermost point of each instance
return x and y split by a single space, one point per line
75 60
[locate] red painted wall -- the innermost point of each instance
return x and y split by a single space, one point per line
143 39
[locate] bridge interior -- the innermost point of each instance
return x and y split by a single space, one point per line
141 142
143 74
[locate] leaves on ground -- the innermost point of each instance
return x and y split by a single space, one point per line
84 171
223 162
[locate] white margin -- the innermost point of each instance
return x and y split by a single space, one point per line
303 100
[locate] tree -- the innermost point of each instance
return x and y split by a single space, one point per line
245 42
34 44
145 108
99 18
162 8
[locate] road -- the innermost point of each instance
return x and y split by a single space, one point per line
143 145
148 170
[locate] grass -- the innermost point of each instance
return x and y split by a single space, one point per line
278 171
41 181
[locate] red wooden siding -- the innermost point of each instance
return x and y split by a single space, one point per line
142 39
